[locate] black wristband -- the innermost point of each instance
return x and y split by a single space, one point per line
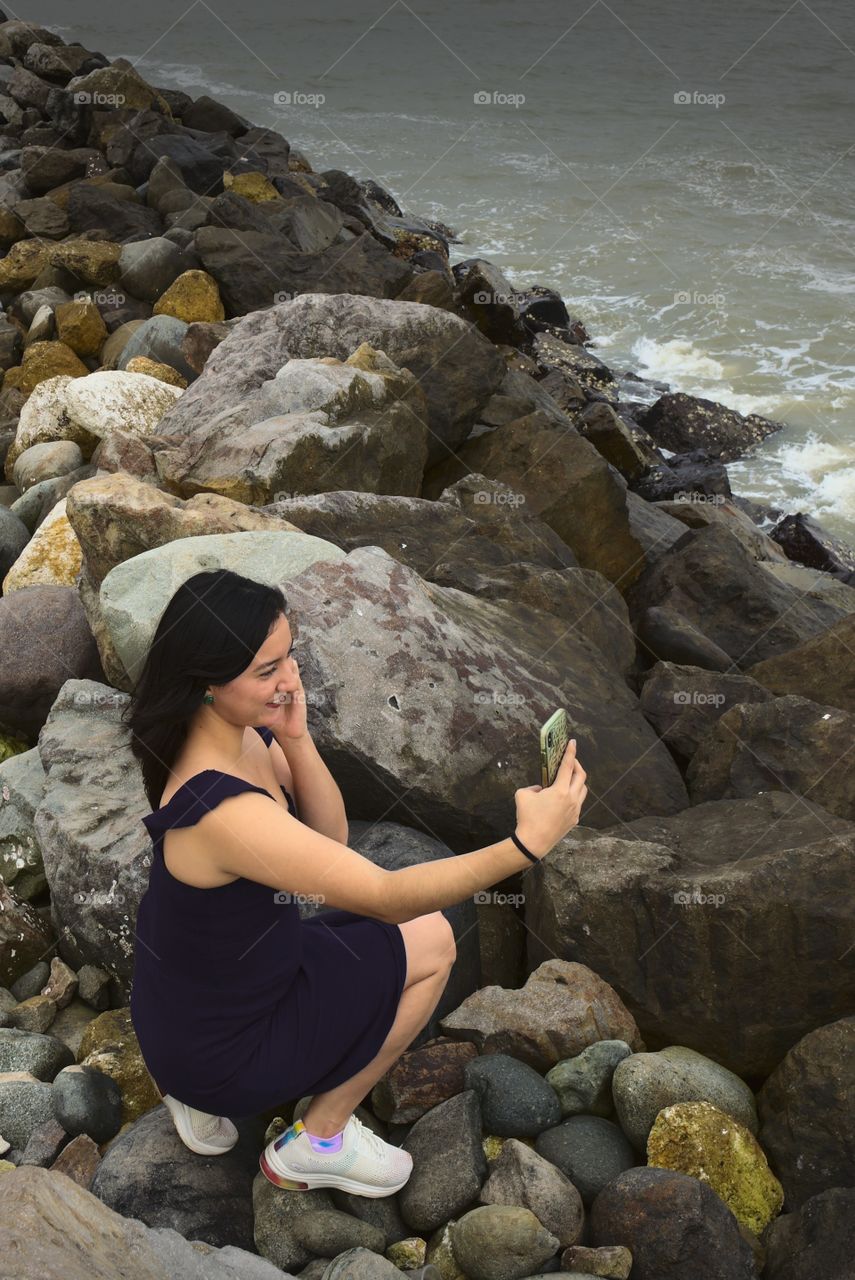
522 847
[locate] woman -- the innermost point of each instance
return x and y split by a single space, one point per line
236 1001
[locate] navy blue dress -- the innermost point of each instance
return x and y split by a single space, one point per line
238 1004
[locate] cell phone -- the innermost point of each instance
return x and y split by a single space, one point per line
554 737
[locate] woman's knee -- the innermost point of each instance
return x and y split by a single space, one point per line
430 945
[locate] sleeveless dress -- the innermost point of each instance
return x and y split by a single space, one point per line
238 1004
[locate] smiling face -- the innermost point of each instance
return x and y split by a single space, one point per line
271 675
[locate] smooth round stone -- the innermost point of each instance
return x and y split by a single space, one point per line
515 1100
589 1150
86 1100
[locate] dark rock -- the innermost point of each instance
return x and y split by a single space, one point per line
589 1150
683 701
804 540
123 220
47 167
551 353
24 937
14 536
675 1226
490 300
160 338
43 218
515 1100
807 1112
213 117
85 1100
449 1164
820 669
818 1240
149 266
683 477
682 422
664 635
614 441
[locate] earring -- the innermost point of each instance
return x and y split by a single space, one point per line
209 698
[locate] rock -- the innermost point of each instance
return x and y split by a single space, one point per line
33 507
357 425
665 635
613 440
422 1077
44 1145
200 340
45 462
709 578
79 326
30 983
675 1227
588 1150
70 1223
110 400
563 481
25 1103
681 422
44 168
109 1045
613 1261
192 297
51 557
501 1242
91 262
656 906
59 62
462 652
807 1113
111 212
17 36
43 218
583 1083
819 669
784 743
561 1010
686 477
43 360
114 346
695 513
22 264
11 344
14 536
43 328
449 1166
87 1101
148 267
814 585
328 1232
490 301
257 269
684 702
252 186
35 1014
519 1176
154 369
572 358
62 983
21 789
804 540
515 1101
698 1139
816 1240
159 338
456 368
361 1264
27 1052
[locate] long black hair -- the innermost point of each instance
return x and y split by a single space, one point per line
208 634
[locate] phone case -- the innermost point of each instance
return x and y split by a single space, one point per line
554 737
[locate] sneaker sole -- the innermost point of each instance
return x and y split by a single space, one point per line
310 1181
186 1134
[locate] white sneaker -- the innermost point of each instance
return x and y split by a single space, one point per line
205 1134
365 1165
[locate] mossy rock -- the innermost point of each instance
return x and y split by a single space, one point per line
193 297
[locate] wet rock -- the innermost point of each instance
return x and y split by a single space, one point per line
681 422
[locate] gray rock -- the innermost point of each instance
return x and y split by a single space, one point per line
646 1082
449 1165
658 907
25 1103
14 536
85 1100
457 368
45 462
683 702
71 1223
360 1264
148 267
816 1240
41 1056
159 338
588 1150
584 1083
34 506
519 1176
30 983
22 784
818 669
515 1100
329 1232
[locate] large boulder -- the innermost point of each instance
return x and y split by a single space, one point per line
358 424
709 579
807 1113
684 702
681 422
816 1240
820 669
458 370
726 927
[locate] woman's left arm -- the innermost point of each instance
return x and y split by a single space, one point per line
316 794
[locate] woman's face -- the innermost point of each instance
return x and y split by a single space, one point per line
270 676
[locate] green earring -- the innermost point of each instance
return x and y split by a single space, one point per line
209 698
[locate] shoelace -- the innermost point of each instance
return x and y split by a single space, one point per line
374 1143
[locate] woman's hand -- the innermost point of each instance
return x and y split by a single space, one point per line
546 814
290 718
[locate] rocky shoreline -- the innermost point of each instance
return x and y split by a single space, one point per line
212 355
